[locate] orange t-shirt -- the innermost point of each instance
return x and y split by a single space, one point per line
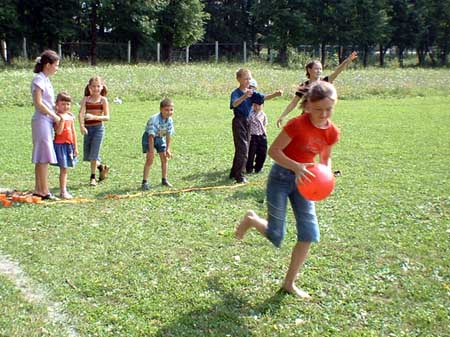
307 139
66 136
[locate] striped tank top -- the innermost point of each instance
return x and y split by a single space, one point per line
94 108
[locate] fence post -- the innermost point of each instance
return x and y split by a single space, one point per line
4 51
217 51
158 52
245 51
129 51
187 54
24 47
60 50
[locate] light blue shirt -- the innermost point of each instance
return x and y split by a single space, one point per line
159 127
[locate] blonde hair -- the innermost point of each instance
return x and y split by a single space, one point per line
242 71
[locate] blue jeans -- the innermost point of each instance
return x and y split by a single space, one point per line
92 142
281 186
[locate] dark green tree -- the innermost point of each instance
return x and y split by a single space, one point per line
281 24
180 23
9 24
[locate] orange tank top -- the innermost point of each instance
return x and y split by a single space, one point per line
96 109
66 136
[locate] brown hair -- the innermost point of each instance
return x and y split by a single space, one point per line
165 102
47 56
104 91
63 97
310 65
319 91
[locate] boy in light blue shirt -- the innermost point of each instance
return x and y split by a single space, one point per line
157 135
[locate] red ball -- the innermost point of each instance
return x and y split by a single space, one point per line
320 186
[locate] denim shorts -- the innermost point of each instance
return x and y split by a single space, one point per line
92 142
159 143
281 186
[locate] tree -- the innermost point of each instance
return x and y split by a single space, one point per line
47 22
9 24
369 21
281 23
180 23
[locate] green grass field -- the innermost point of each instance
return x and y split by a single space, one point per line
167 264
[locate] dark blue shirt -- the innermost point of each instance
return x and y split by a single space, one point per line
245 107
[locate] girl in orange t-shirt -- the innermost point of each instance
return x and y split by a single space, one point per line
294 150
65 142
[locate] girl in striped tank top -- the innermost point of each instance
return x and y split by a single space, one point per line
94 111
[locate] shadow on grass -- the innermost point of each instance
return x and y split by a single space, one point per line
227 317
211 178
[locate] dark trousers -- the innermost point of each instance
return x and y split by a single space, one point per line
241 138
257 153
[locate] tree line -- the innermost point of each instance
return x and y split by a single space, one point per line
281 25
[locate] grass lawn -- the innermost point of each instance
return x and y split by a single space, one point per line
167 264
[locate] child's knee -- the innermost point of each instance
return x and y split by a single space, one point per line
275 236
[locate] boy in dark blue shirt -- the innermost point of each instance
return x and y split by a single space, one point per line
241 102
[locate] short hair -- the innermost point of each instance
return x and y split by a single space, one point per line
104 91
47 56
240 72
319 91
165 102
310 65
63 97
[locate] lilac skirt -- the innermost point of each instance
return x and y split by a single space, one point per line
42 134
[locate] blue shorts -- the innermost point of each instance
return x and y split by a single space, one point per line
92 142
281 186
159 143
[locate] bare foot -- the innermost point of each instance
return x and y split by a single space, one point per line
244 225
298 292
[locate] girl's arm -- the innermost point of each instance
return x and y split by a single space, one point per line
105 117
81 115
75 144
288 109
273 95
325 156
59 127
342 66
37 101
168 152
277 154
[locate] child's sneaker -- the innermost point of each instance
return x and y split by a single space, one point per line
66 195
93 182
104 169
145 186
165 182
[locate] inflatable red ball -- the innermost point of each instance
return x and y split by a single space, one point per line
320 186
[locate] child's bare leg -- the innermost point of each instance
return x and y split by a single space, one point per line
162 156
62 179
93 166
148 164
251 219
298 257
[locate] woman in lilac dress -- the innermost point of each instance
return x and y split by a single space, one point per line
42 122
